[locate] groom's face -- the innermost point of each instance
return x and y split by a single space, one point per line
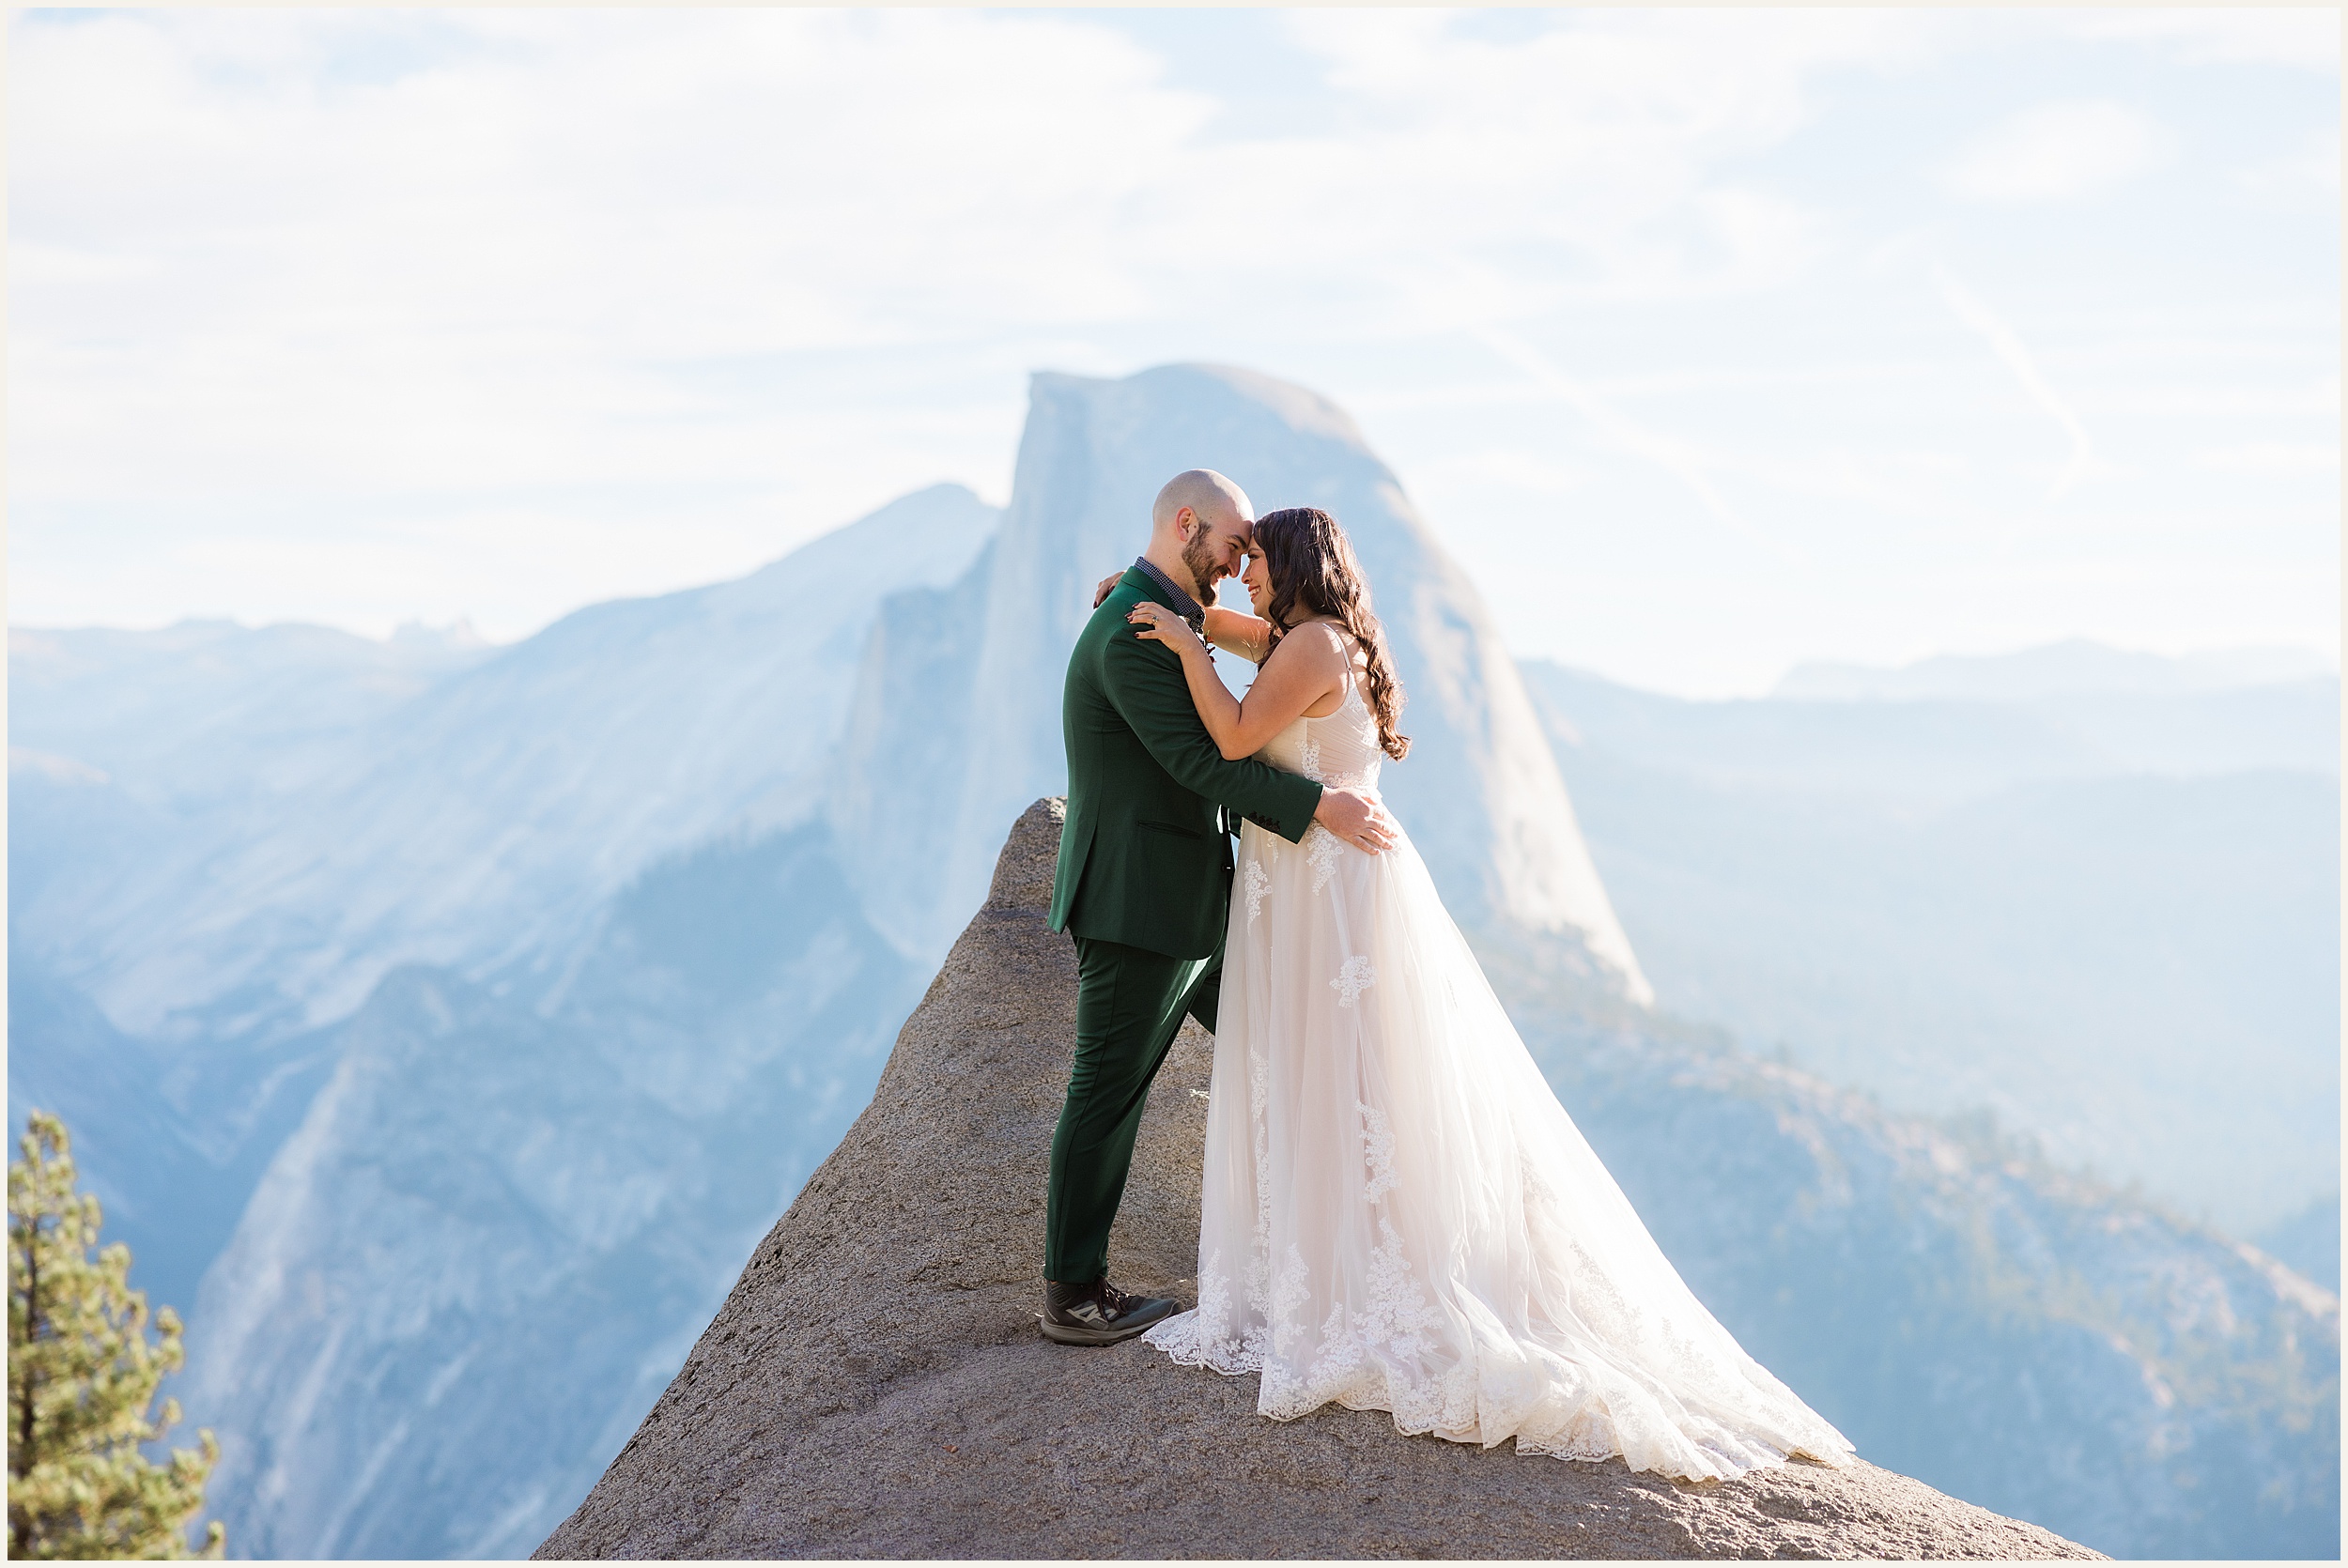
1218 544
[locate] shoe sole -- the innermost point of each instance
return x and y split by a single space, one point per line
1061 1334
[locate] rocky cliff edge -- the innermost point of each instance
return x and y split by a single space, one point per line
875 1385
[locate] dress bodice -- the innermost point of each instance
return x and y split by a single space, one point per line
1339 749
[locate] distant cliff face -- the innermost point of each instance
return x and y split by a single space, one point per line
479 1258
974 673
477 810
874 1385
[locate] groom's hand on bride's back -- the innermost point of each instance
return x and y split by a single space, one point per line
1359 818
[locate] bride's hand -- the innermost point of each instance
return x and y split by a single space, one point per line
1158 624
1107 586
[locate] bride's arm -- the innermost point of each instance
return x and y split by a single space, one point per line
1234 633
1301 671
1227 629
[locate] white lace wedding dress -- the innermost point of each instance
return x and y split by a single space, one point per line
1400 1216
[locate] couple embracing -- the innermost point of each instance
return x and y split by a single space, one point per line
1398 1213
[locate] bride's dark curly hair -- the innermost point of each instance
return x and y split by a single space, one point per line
1310 563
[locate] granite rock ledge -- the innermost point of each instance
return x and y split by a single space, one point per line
874 1385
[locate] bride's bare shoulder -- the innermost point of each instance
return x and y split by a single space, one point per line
1314 645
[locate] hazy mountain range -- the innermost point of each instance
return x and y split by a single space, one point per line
2110 916
446 1022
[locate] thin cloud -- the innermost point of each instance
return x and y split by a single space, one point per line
1681 459
2017 359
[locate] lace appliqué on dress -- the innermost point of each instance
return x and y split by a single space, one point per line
1259 1271
1288 1292
1322 848
1202 1336
1369 1354
1355 977
1399 1313
1214 1305
1259 881
1377 1152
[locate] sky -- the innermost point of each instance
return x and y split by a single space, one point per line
1708 340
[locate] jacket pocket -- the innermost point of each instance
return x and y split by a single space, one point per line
1190 832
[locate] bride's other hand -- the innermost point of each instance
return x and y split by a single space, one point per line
1109 586
1158 624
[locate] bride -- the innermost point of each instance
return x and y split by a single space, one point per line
1399 1215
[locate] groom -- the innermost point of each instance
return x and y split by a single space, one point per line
1145 881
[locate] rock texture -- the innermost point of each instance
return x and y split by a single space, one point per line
874 1385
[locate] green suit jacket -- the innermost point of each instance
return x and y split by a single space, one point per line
1144 858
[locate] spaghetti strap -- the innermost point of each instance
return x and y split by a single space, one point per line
1356 664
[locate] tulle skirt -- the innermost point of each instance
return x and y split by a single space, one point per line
1399 1215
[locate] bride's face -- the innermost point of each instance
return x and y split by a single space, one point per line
1258 581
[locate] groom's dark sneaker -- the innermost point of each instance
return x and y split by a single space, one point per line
1097 1313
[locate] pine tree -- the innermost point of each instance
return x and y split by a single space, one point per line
81 1379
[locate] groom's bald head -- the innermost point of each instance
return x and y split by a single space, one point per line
1201 524
1209 497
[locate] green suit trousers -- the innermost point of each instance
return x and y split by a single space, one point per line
1130 1005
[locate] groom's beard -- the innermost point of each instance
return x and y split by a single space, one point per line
1205 569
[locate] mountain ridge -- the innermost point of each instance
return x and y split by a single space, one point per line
489 816
2066 668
